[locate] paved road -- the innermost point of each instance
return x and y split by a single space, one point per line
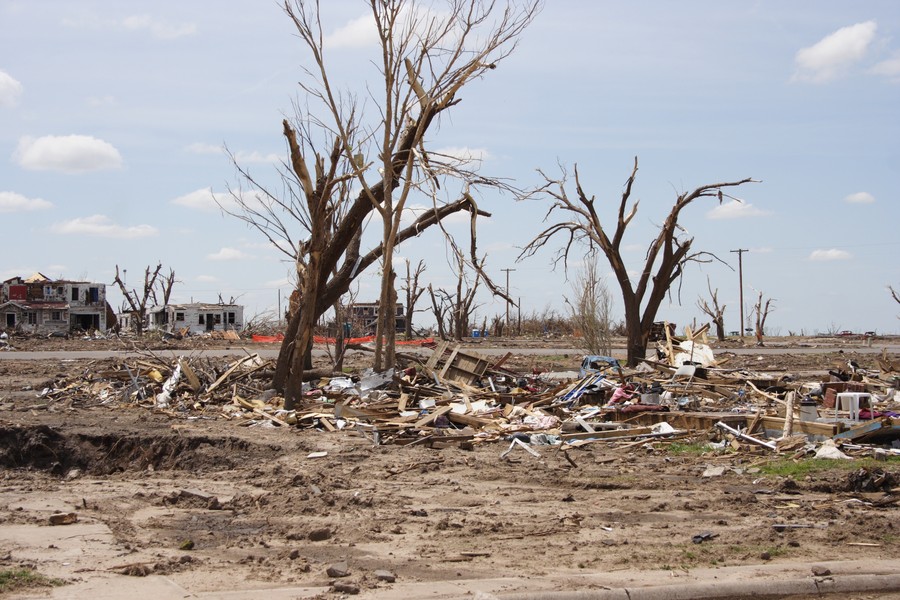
272 352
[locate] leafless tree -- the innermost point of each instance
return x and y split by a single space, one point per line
427 54
590 308
453 310
424 60
498 323
894 294
714 311
413 290
762 310
136 302
667 255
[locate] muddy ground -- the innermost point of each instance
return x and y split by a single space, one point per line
215 508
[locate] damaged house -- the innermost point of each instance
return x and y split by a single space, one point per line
364 315
196 317
39 304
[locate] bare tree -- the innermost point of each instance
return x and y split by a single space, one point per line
136 302
453 310
591 307
762 313
413 291
426 57
498 323
667 255
894 294
424 61
714 311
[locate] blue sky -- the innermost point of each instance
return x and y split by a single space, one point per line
113 117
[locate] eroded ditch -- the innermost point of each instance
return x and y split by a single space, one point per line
45 448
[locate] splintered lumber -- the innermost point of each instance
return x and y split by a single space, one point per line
436 356
609 434
193 380
464 366
755 422
230 370
766 395
427 419
745 437
788 430
272 418
469 420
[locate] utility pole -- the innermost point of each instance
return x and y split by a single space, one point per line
507 298
740 253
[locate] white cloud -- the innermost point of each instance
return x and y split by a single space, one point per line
103 226
158 28
241 156
834 54
227 254
205 199
358 33
10 90
860 198
11 202
278 283
831 254
66 153
735 210
206 278
889 68
762 250
203 148
256 157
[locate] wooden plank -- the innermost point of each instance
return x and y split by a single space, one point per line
231 370
256 411
502 360
807 427
470 420
193 380
612 433
464 366
431 417
436 355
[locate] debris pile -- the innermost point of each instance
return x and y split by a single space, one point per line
458 397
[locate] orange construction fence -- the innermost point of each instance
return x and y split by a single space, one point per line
271 339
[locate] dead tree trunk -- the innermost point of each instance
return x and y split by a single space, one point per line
714 312
667 255
762 313
413 292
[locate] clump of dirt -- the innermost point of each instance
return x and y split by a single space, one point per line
871 480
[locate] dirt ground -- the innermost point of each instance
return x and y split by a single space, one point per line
217 508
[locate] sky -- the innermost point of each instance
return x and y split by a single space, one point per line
114 117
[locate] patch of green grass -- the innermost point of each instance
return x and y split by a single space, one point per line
799 469
20 579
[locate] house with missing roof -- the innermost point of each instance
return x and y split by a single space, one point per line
40 304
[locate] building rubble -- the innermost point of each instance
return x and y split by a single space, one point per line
458 398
